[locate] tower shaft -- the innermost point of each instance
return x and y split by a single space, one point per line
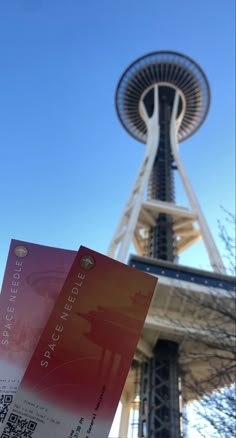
159 396
159 402
161 243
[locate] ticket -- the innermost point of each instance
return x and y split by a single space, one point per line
34 276
74 380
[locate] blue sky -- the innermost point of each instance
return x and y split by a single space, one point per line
67 165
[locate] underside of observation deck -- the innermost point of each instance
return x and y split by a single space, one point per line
171 70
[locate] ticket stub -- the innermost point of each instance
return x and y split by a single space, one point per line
75 377
34 276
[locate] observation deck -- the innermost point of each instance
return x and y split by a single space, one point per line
169 70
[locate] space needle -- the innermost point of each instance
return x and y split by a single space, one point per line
161 100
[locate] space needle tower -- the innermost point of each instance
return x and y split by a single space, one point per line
161 100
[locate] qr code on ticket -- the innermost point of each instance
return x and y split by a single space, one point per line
18 427
5 402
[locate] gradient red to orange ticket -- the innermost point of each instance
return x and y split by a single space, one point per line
74 380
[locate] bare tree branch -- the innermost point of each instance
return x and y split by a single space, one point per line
216 411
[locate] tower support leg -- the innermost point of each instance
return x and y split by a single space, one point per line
160 408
